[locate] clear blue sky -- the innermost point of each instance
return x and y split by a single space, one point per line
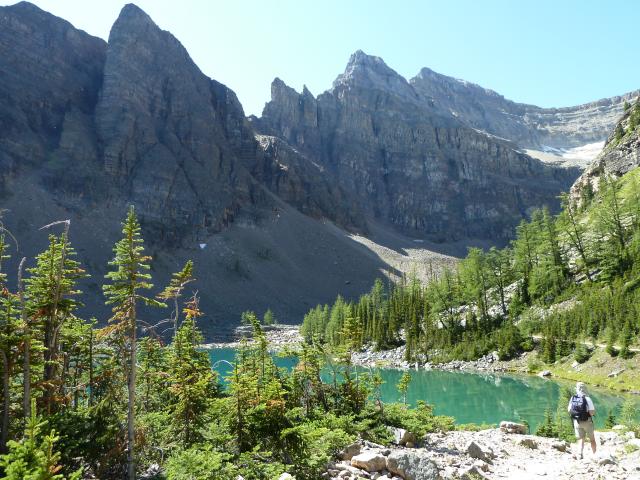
549 53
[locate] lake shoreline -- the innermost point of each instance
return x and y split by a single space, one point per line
282 337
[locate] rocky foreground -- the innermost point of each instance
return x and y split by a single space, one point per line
490 454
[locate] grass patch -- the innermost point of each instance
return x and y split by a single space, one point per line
595 371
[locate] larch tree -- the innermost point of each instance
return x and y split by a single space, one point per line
174 291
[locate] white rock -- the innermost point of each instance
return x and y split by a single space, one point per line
545 373
370 461
350 451
286 476
480 453
512 427
607 460
402 436
529 443
480 465
560 446
412 465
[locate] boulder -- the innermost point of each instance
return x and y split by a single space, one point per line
370 461
402 436
560 446
352 472
480 453
545 373
411 465
512 427
350 451
529 443
607 460
470 473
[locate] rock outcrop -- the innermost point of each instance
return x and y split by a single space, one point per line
50 77
88 127
174 140
405 161
527 125
446 456
620 155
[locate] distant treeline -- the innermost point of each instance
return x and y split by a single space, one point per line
588 257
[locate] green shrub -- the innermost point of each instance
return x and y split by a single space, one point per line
474 427
548 427
198 464
581 353
419 420
534 365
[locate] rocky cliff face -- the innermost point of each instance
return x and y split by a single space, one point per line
50 76
173 139
620 155
527 125
88 127
406 161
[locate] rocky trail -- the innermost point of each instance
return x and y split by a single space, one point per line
491 454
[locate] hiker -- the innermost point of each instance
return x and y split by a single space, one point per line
582 410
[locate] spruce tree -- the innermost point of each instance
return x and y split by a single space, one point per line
192 382
10 342
34 457
51 301
128 279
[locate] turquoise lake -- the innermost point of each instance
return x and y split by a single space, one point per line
468 397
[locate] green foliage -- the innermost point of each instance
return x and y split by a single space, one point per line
34 457
419 420
629 416
269 318
191 381
199 463
565 278
581 353
610 421
548 427
403 386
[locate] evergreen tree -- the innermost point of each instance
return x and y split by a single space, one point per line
51 293
35 457
403 386
128 279
175 289
192 383
268 318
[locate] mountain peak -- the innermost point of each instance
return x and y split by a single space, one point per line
132 19
132 11
371 72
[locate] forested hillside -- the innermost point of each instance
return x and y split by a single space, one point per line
565 277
